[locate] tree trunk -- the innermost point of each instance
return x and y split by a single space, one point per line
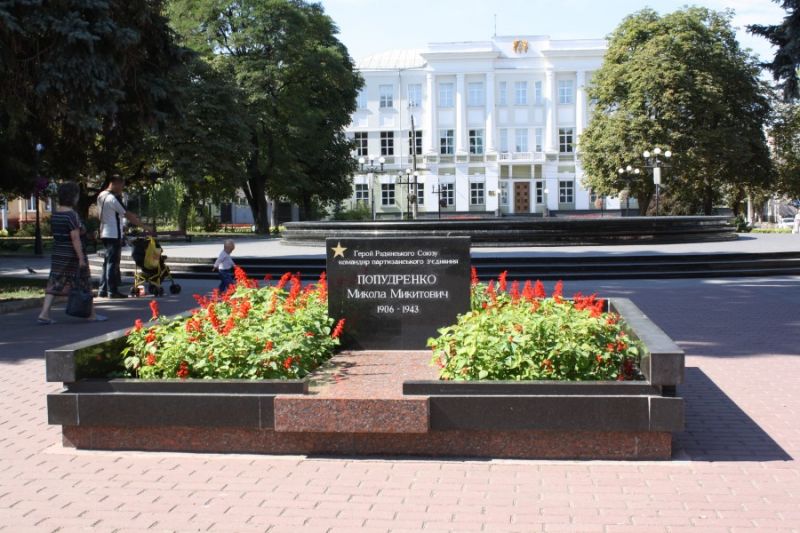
183 212
708 200
644 199
306 206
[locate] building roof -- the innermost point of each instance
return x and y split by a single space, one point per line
392 60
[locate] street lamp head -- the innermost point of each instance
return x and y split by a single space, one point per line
39 147
416 174
646 154
371 159
408 172
636 171
547 191
657 150
621 171
629 168
668 154
361 160
381 160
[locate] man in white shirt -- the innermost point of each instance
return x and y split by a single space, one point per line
112 213
224 265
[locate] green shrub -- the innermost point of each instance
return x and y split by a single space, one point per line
521 334
250 332
359 213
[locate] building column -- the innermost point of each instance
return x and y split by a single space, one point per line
550 143
429 140
461 132
580 107
490 147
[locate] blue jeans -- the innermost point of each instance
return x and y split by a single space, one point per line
109 277
225 279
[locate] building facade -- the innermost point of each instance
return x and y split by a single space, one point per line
495 127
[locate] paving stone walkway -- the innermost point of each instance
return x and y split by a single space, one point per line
735 467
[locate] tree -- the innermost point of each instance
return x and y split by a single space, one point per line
785 134
300 89
681 82
86 78
785 66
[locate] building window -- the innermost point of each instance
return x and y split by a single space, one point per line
387 194
362 143
476 142
387 143
538 139
503 133
361 100
538 94
420 193
521 93
566 138
475 96
362 193
539 192
565 92
502 93
445 95
521 140
566 192
414 95
31 203
446 142
447 194
415 144
477 193
504 193
386 96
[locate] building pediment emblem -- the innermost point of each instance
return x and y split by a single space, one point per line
520 46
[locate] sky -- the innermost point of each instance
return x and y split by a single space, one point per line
372 26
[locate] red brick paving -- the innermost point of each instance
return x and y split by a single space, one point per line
734 467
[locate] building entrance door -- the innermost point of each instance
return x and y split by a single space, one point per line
522 197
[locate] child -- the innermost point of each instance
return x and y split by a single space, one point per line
224 265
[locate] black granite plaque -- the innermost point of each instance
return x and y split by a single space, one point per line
394 293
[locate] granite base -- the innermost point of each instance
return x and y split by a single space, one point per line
525 444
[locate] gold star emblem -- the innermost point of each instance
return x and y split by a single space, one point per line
338 250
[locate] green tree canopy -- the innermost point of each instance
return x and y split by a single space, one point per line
785 66
681 82
299 89
785 134
86 78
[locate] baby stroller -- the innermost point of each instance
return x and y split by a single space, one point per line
151 268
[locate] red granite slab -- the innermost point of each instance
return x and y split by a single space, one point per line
528 444
360 392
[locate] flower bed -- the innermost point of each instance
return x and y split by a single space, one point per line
279 331
517 332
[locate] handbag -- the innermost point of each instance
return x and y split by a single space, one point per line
79 301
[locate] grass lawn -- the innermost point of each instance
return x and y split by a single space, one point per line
21 289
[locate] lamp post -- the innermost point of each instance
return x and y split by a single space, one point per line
439 191
655 162
37 235
628 174
371 169
546 206
413 169
411 197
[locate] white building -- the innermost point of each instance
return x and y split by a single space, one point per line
497 126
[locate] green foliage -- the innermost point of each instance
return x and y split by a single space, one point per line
785 66
524 335
88 79
785 133
358 213
298 89
741 225
250 332
679 82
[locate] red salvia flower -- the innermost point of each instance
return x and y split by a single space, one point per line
151 336
337 331
284 280
558 291
515 292
268 278
527 291
287 363
212 317
138 325
538 291
154 309
501 281
474 276
309 333
150 360
240 275
183 371
322 287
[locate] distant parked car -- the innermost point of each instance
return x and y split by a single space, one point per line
786 222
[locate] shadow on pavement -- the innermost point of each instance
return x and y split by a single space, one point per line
717 429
